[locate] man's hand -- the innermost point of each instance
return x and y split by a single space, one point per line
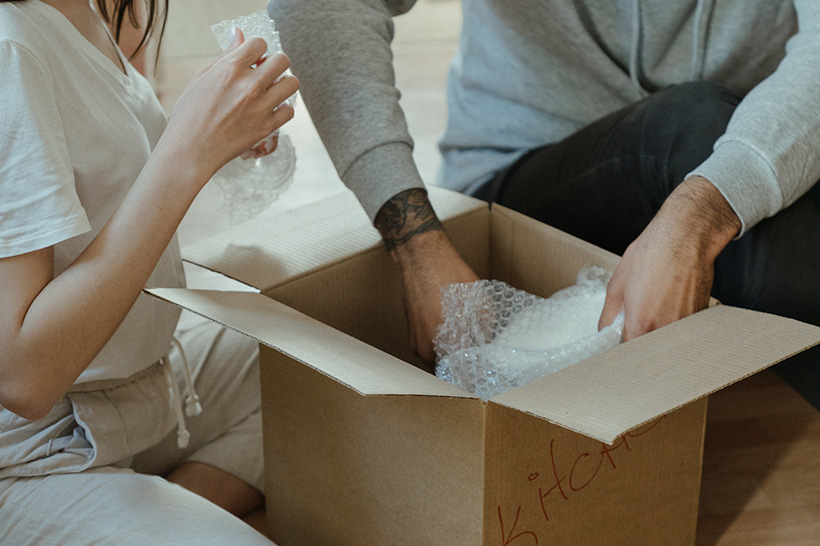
426 260
667 272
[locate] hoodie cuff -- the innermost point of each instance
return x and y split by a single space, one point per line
746 179
381 173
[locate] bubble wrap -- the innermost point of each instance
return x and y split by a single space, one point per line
495 337
256 24
251 185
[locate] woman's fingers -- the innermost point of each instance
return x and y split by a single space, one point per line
271 69
249 52
280 116
233 105
263 148
282 90
237 37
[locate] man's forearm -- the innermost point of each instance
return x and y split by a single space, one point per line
406 215
426 260
705 215
340 51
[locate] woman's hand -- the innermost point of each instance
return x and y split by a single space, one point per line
230 107
269 144
51 328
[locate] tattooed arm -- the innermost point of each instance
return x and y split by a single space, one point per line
405 215
426 260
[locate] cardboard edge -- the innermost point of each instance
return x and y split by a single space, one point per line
441 198
513 216
455 393
376 247
221 274
610 439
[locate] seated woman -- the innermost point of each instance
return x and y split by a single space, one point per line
93 184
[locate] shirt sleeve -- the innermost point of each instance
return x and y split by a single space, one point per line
340 51
770 154
39 206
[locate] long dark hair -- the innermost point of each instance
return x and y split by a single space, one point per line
117 12
156 13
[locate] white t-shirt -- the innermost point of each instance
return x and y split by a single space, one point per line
74 134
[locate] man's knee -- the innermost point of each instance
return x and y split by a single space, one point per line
686 120
697 104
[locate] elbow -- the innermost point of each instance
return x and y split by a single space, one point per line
26 399
31 410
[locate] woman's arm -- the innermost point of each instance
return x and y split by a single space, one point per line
52 328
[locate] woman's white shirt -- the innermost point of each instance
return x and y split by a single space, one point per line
75 133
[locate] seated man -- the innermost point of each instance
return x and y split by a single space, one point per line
685 136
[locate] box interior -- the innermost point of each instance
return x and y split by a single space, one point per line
326 261
342 405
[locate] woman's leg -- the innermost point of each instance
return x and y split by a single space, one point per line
223 461
112 506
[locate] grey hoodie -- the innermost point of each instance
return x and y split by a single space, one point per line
530 72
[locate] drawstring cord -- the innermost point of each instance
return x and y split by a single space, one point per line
192 405
635 48
699 25
699 39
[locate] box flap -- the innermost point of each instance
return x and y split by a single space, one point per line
264 251
538 258
612 393
354 363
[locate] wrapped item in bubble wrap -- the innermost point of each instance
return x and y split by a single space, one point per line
251 185
495 337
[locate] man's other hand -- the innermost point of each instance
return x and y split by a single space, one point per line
426 260
667 272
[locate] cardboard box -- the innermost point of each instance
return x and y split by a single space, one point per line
362 448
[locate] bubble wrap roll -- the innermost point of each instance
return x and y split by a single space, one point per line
495 337
258 24
251 185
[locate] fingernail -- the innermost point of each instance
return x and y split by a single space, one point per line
267 146
233 35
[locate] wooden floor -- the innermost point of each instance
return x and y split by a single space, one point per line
761 467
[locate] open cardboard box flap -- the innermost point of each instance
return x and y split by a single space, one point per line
331 301
632 384
364 368
602 397
318 235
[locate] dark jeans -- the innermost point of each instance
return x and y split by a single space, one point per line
606 182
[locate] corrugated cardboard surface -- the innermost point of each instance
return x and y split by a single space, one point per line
366 299
547 485
264 252
538 258
351 470
430 464
357 365
609 394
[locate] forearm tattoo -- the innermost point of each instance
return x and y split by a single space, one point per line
405 215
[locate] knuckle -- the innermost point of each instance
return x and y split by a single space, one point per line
257 43
286 111
255 89
282 61
292 84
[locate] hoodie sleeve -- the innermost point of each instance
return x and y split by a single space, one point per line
770 154
340 51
